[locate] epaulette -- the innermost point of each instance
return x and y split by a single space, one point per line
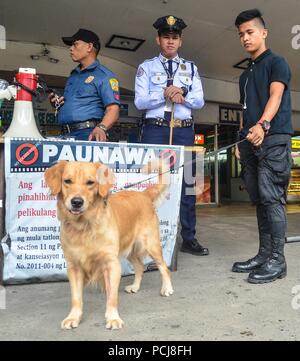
147 60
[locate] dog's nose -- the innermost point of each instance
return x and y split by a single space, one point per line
77 202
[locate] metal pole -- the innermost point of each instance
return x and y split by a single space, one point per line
292 239
217 198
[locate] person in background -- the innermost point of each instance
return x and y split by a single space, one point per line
91 100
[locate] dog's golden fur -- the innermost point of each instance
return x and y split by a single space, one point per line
96 228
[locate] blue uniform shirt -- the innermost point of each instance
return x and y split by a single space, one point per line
87 93
151 79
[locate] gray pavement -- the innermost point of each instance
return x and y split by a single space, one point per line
209 303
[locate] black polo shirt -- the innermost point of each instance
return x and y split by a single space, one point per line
255 92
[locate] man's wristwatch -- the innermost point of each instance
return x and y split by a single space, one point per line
265 124
103 127
185 91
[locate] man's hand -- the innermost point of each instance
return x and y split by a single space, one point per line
54 98
178 99
98 134
256 135
171 91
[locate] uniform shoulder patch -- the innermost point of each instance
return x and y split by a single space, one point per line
114 84
140 72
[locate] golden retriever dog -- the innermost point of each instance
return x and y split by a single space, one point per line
97 227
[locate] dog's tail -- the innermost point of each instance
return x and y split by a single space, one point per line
157 192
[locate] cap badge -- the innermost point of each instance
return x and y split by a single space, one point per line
171 20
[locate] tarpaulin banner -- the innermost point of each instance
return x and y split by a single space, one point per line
32 249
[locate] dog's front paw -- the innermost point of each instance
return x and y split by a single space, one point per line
115 324
69 323
131 288
166 291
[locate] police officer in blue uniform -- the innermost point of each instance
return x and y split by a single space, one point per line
266 155
163 84
90 104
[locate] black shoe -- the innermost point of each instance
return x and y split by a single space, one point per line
194 247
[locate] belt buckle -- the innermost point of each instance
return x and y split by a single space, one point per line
177 123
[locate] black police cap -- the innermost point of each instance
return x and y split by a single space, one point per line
84 35
169 24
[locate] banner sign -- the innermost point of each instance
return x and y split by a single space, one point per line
32 249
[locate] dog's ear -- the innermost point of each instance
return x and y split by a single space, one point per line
53 177
105 178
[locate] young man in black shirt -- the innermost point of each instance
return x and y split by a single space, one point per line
266 154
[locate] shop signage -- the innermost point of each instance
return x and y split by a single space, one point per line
296 143
199 139
230 114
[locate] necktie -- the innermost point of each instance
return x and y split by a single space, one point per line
167 115
170 73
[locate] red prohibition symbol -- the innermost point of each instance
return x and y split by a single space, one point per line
23 159
169 154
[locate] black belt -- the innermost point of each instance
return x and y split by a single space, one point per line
177 123
71 127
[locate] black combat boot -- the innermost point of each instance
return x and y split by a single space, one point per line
274 268
265 249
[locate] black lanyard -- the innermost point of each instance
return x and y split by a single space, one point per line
170 76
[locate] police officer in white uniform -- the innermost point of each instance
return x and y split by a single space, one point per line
165 83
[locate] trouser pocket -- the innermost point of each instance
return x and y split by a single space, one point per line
278 160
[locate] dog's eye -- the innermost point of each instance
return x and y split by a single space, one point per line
67 181
90 183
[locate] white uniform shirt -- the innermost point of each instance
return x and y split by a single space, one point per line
151 79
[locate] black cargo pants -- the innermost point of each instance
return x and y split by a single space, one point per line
266 172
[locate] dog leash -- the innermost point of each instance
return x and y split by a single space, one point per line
210 154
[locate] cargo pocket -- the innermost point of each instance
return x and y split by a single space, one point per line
278 160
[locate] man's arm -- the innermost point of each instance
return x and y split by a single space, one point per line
256 134
195 97
110 118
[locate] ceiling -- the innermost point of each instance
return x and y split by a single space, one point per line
210 39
